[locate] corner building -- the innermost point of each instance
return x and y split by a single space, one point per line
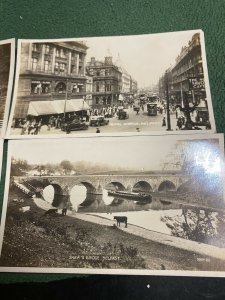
107 81
50 72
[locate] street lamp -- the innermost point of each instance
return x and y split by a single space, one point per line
66 99
167 102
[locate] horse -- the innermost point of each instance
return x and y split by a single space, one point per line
121 219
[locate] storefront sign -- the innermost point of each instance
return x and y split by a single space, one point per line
196 83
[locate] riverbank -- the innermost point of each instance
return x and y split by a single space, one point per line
35 240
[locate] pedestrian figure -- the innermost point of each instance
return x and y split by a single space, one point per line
137 110
164 122
179 123
138 129
64 211
97 130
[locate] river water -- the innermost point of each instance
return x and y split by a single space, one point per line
144 215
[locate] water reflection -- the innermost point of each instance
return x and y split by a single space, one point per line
83 202
48 193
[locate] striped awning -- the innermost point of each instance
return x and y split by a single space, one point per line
40 108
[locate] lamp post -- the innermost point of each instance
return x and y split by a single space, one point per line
167 103
65 100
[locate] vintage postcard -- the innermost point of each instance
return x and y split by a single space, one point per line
7 60
112 86
118 206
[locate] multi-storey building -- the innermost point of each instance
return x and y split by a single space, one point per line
186 77
133 86
107 80
50 71
125 87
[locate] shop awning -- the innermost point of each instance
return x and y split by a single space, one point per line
40 108
79 104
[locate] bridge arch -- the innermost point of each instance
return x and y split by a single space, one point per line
53 193
116 185
142 186
166 185
184 187
91 189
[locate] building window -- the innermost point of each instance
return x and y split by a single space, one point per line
60 88
46 65
108 87
97 87
47 49
40 87
34 64
97 73
62 53
35 47
57 52
62 68
73 69
56 67
102 72
97 100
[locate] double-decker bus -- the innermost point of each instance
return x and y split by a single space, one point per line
152 105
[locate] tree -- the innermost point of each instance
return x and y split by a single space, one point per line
67 166
194 224
19 167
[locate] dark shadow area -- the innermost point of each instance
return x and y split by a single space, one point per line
120 287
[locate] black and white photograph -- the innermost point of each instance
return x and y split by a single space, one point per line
112 86
7 57
118 205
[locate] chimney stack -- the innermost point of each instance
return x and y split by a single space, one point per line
108 60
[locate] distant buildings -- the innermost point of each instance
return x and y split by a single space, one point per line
186 77
111 82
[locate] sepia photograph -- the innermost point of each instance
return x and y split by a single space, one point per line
7 57
112 86
121 205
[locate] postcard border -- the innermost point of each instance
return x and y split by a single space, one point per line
12 43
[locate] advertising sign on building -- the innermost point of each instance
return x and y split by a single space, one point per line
196 83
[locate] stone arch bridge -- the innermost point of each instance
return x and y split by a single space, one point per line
96 183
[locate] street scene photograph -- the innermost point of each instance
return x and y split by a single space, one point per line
118 206
6 67
112 86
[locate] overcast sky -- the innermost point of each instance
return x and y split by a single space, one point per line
145 57
136 153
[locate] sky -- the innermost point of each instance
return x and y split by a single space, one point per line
145 57
139 153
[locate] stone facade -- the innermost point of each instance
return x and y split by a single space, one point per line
50 71
107 81
186 77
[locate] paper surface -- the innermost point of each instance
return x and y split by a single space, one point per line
125 205
112 86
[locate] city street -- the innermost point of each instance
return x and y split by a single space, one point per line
141 120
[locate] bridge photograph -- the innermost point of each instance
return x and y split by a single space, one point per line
118 203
